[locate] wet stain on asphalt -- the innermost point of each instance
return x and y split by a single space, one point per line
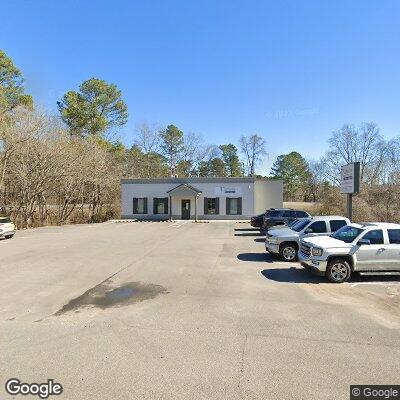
105 295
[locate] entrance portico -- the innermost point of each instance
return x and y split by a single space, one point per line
183 193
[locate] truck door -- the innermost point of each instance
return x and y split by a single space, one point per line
373 256
317 228
394 249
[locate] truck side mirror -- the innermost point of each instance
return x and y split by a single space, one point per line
363 242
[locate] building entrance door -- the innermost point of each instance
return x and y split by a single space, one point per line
185 209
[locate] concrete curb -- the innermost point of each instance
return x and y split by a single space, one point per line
204 221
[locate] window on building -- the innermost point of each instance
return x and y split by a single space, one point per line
160 205
233 206
337 224
318 227
140 205
394 236
211 206
375 236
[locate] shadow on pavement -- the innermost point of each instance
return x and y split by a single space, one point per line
301 275
249 234
246 229
292 275
260 240
256 257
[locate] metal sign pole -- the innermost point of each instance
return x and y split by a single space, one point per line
350 206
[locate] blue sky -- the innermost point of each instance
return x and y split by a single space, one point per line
292 71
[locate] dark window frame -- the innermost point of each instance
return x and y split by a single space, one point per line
318 222
156 202
239 205
206 205
391 237
135 205
374 230
336 220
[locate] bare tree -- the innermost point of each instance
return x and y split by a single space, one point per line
349 144
192 152
315 180
253 148
47 177
148 140
9 140
392 162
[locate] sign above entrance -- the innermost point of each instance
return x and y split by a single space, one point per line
227 191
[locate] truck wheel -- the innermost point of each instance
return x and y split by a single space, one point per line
288 252
338 270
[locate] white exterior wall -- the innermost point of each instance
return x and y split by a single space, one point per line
267 194
245 190
149 190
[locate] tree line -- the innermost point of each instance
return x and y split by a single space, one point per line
67 167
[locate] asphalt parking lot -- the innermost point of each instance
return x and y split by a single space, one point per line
186 311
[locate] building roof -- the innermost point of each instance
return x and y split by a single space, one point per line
184 190
196 179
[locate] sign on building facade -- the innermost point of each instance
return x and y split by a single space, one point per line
227 191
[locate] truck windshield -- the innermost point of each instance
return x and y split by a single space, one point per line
292 223
347 233
299 225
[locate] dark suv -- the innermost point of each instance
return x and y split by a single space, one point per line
257 220
281 216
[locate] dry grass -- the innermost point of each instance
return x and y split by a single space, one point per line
311 208
377 203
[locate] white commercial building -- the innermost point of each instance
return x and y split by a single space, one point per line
199 198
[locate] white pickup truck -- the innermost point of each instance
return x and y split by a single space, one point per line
370 249
286 241
7 228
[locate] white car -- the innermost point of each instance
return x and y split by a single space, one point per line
286 241
7 228
371 249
